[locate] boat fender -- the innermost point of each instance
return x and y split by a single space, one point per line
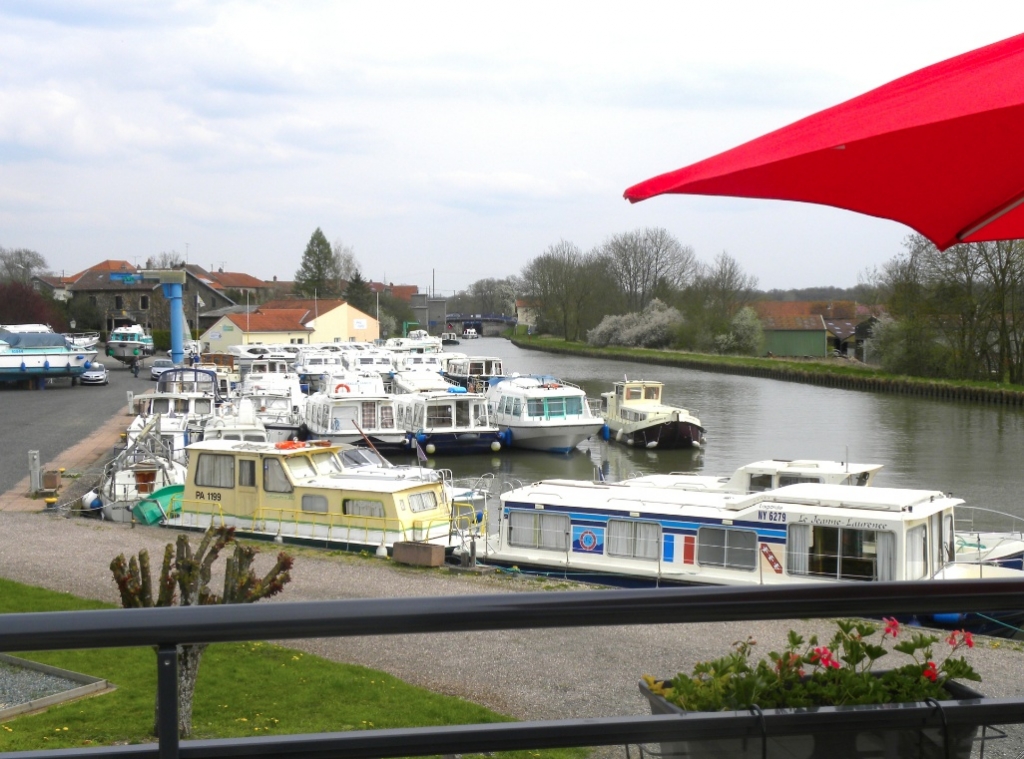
431 449
92 501
495 446
23 367
951 618
606 433
341 387
506 437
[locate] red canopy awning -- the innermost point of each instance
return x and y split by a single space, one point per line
940 150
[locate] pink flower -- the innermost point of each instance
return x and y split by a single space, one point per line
968 638
892 627
823 658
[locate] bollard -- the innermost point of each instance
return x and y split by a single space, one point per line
35 473
472 552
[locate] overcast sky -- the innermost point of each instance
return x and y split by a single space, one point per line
441 141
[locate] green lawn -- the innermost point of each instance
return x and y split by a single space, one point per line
244 689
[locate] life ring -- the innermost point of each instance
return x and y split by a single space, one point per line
341 385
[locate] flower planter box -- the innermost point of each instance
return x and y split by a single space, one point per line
887 743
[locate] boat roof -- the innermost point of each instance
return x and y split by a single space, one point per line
805 498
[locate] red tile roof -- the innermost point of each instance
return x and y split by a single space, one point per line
277 320
237 279
838 309
402 292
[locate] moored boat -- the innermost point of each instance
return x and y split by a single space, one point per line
446 422
475 373
635 415
304 492
542 413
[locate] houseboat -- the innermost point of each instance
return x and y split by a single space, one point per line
302 492
447 422
635 415
354 409
795 534
542 413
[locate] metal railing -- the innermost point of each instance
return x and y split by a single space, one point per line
167 627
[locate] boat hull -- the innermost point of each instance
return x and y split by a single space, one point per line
550 439
669 434
448 443
16 366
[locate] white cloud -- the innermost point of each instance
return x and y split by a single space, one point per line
425 134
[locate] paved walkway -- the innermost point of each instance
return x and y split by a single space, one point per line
77 460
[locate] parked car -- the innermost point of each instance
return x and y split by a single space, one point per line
95 375
160 365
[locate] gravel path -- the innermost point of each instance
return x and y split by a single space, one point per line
529 674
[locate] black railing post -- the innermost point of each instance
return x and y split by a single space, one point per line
167 699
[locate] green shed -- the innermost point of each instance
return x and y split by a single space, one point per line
795 336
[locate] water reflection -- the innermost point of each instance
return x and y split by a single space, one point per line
972 451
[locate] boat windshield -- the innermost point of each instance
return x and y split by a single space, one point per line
327 463
300 467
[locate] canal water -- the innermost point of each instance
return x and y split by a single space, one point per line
972 451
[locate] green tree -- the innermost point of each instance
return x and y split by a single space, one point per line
359 295
319 274
188 573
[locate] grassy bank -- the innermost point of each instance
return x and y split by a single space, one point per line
828 373
244 689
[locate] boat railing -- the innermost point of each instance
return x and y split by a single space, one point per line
294 523
594 404
967 519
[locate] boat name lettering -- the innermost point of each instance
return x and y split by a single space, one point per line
771 516
211 496
837 522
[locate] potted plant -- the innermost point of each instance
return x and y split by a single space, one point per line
839 675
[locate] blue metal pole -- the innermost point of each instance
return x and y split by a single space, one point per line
172 292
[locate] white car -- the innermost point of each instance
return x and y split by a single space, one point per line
160 365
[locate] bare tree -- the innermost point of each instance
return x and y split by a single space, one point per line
345 260
556 281
168 259
645 261
20 265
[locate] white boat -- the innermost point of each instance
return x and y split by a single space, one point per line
82 339
794 534
144 466
446 422
306 492
635 415
37 355
279 403
469 334
129 343
354 409
236 421
449 338
475 373
765 475
418 341
542 413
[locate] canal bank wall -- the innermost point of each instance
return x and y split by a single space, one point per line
786 372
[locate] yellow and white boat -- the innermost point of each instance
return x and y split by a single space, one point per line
308 492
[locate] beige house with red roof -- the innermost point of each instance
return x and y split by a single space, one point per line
297 322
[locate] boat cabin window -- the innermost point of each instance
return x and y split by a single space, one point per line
841 553
537 529
796 479
729 548
314 503
274 479
255 437
439 415
652 393
246 473
426 501
369 409
634 540
300 467
760 483
326 463
215 470
361 508
917 553
387 417
634 393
